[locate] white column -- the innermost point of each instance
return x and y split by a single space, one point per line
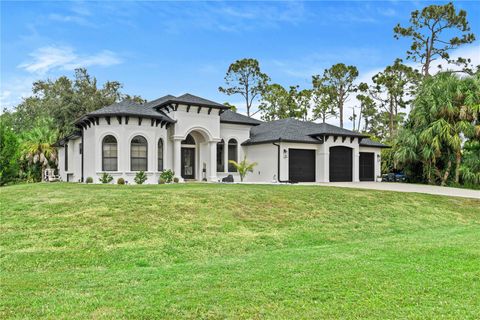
324 157
177 161
356 165
212 168
225 156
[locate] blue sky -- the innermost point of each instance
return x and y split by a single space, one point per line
158 48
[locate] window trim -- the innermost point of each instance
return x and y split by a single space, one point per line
221 159
146 153
103 153
66 157
162 167
231 168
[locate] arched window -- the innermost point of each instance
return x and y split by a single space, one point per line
109 154
66 156
188 140
160 154
232 154
220 157
138 154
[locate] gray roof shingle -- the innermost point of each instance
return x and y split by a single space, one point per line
294 130
370 143
128 108
189 99
159 101
228 116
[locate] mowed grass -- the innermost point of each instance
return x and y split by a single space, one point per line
214 251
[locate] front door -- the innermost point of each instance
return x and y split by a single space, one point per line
188 163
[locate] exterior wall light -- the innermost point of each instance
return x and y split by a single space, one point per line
285 153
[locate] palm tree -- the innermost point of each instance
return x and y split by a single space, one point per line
37 145
444 116
243 167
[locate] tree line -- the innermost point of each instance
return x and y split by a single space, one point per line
438 142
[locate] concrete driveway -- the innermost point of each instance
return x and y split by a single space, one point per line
406 187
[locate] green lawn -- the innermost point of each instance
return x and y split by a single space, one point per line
236 251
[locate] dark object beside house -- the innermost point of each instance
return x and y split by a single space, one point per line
394 177
228 178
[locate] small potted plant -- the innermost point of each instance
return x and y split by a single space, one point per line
106 178
166 176
140 177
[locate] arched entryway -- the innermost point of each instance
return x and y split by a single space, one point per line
341 168
188 158
196 151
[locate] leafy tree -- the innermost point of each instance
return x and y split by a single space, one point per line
322 104
426 30
37 145
470 167
244 77
64 100
445 112
231 106
243 167
300 102
368 111
392 89
274 103
9 150
339 83
278 103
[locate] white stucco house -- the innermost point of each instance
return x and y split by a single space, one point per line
196 137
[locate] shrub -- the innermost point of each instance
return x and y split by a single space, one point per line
106 178
140 177
243 167
175 180
167 175
121 181
89 180
161 181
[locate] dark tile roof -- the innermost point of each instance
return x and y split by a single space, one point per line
159 101
370 143
190 99
294 130
128 108
151 108
228 116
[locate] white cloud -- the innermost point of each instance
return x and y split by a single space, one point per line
14 90
70 18
50 58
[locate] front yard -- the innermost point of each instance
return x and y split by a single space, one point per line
236 251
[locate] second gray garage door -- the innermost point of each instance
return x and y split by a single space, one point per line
301 165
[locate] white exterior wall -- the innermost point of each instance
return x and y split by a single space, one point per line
324 160
207 132
124 133
74 172
266 157
239 132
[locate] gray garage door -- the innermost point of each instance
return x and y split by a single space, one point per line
367 166
340 164
301 165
